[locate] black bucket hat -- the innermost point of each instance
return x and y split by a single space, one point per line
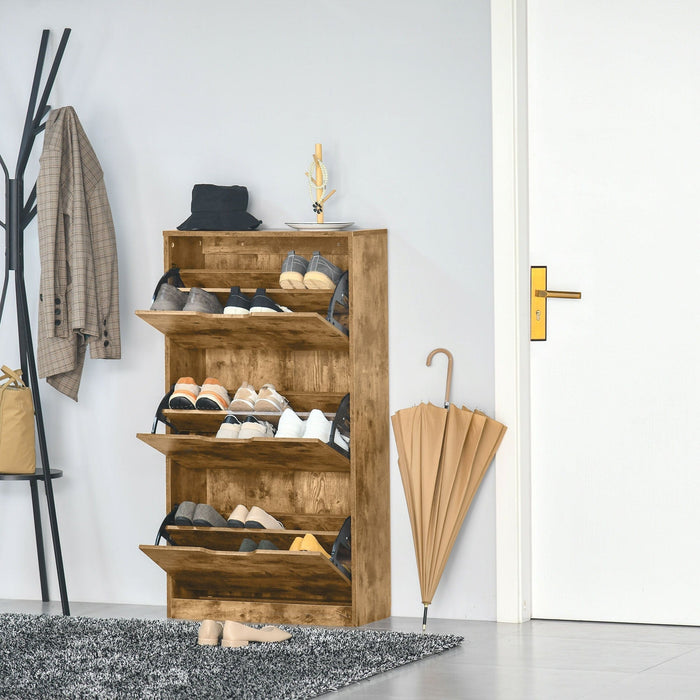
219 208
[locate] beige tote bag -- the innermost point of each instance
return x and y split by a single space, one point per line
17 452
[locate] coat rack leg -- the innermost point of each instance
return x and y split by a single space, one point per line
30 374
39 541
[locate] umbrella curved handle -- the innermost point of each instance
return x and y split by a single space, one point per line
450 360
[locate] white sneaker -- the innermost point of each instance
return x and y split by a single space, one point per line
269 400
258 518
290 425
230 428
317 426
238 516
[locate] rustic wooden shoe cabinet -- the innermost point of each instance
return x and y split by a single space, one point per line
304 483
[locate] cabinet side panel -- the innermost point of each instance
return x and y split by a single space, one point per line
369 358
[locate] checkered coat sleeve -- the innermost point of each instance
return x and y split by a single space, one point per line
79 287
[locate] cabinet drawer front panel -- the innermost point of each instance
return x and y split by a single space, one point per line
260 575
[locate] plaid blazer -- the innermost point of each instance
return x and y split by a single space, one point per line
79 288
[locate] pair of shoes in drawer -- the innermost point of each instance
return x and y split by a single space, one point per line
232 428
316 273
250 545
188 395
255 518
238 304
170 298
267 400
199 515
308 543
236 634
315 426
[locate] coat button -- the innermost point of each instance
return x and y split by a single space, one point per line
106 343
106 334
57 300
57 323
57 312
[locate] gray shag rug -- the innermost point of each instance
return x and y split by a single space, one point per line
48 656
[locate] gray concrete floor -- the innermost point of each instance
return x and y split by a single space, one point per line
541 659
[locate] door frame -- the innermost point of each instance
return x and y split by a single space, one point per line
511 308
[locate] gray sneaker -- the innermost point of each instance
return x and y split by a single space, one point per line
205 516
293 271
321 273
169 298
206 302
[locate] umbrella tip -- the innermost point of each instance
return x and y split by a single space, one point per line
425 616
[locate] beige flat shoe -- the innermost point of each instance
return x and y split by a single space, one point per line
210 632
237 634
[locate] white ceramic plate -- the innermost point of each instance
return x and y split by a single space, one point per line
325 226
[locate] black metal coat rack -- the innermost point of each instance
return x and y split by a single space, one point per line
18 214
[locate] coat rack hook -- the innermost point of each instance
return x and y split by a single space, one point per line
450 360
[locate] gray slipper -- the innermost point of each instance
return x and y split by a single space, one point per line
247 545
266 544
199 300
206 516
169 298
185 512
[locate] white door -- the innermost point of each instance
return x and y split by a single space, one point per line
614 138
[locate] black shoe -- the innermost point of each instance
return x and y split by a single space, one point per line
237 303
263 304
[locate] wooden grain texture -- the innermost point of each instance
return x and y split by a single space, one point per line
193 329
371 540
277 491
260 575
251 612
308 371
201 452
305 484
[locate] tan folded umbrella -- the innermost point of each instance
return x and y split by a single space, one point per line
443 456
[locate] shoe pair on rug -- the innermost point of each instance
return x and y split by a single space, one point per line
316 273
255 518
308 543
238 304
236 634
170 298
251 427
211 396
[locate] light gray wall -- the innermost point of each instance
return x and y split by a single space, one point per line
172 93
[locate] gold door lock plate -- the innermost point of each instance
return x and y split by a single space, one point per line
538 301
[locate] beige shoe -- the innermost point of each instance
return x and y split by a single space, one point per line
270 400
244 398
237 634
210 632
296 545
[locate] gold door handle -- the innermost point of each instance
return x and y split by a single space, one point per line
551 294
538 302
